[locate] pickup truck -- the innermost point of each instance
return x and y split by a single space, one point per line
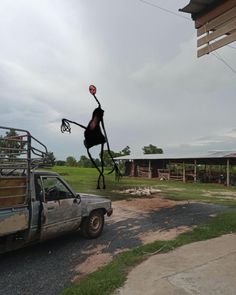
38 205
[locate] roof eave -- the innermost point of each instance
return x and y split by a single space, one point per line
197 9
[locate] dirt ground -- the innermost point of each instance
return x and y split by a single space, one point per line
220 194
124 210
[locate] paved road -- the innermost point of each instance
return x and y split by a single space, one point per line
49 267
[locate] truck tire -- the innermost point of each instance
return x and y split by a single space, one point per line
92 225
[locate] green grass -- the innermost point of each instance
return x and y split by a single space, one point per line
112 276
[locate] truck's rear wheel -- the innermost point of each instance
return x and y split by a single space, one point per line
92 225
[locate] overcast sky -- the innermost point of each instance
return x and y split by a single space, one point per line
143 61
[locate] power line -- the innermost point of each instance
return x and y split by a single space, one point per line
172 12
217 55
164 9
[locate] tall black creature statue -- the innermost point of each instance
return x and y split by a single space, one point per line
94 134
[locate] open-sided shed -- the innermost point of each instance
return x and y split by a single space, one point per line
214 167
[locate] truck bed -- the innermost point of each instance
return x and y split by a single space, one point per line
13 220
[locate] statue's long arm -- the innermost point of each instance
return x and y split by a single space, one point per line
65 125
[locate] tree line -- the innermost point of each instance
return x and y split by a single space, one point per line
85 162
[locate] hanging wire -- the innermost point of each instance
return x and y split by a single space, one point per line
216 54
219 57
173 13
164 9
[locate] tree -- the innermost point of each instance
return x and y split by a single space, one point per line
152 149
51 158
107 158
11 144
98 162
71 161
84 162
60 163
125 151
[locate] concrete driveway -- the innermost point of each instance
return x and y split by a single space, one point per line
202 268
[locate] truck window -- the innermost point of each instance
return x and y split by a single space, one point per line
55 189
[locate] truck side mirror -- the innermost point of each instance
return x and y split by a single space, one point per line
77 199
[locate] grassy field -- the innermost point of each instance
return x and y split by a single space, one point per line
84 180
112 276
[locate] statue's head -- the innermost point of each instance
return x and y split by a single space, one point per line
92 89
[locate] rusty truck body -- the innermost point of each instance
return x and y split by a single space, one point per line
38 205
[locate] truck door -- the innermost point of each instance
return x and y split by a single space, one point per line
61 209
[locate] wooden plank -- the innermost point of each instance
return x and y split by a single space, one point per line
213 13
217 21
12 181
11 202
224 24
222 31
216 45
13 191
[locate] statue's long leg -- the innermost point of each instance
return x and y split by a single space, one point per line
115 166
102 164
96 166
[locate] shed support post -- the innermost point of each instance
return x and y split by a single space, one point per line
227 178
184 177
195 171
149 169
132 172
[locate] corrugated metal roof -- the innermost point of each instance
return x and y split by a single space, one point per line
213 155
198 6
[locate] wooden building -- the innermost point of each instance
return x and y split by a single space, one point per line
215 21
216 167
